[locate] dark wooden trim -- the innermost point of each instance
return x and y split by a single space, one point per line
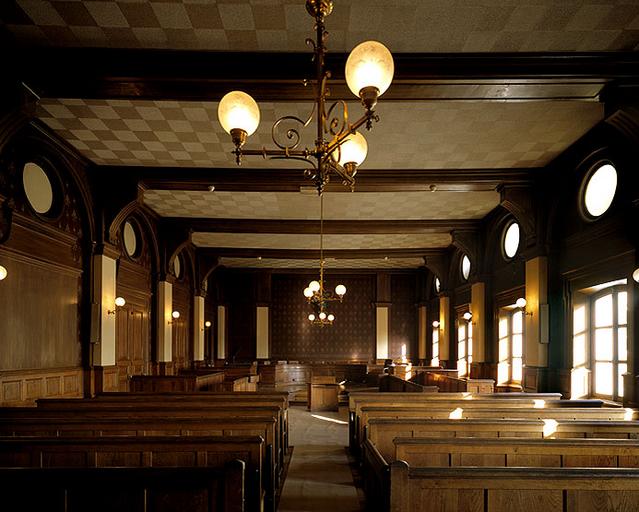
272 76
305 254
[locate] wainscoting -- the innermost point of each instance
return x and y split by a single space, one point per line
25 386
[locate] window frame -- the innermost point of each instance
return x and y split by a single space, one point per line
508 313
592 169
467 341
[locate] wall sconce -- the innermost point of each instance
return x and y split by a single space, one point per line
521 304
436 324
3 273
467 316
119 302
175 315
207 324
635 275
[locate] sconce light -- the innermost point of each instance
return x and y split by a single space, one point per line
467 316
436 324
119 302
175 315
207 324
3 273
521 304
635 274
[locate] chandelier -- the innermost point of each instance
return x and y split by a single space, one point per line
339 148
315 293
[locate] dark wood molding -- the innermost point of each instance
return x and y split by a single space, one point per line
468 241
209 225
270 76
521 202
305 254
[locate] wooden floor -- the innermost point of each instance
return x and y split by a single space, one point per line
319 477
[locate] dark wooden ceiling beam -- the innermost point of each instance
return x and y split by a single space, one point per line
337 227
309 254
292 180
196 75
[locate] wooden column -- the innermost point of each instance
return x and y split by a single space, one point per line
198 328
478 309
221 332
446 328
105 293
164 345
422 334
262 349
535 351
382 316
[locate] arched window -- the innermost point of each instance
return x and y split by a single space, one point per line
510 240
599 188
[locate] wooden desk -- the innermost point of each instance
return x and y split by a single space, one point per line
323 395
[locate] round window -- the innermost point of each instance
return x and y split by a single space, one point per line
465 267
438 285
177 267
511 240
130 239
37 188
600 189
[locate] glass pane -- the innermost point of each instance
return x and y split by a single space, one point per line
461 367
603 378
461 333
621 369
503 327
622 308
470 346
622 340
579 320
603 344
579 350
578 383
503 371
435 349
511 240
465 267
517 345
603 311
517 322
470 330
436 336
434 361
504 349
517 369
461 349
600 190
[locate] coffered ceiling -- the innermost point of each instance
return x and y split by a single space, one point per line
485 93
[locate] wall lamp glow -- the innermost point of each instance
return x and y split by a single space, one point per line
207 324
521 304
436 324
3 273
467 316
175 315
119 302
635 274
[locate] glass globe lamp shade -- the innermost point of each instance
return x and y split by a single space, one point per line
436 324
635 274
119 302
467 316
340 289
370 64
322 315
308 293
237 110
3 273
175 314
353 150
207 323
314 286
331 317
521 303
311 317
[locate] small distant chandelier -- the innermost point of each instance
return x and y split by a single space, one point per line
316 295
339 148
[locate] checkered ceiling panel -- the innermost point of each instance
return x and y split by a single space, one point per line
440 135
283 25
337 206
287 241
330 263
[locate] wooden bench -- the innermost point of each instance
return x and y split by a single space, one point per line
143 452
513 489
124 489
210 381
394 384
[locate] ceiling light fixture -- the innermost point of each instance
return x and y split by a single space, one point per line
339 147
315 293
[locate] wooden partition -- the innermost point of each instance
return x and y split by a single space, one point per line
210 381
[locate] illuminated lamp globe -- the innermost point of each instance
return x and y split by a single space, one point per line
322 315
370 64
340 289
175 314
311 317
238 111
635 274
119 302
207 323
521 303
331 317
314 286
3 273
467 316
436 324
308 293
352 151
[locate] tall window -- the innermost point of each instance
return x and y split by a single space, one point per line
511 337
600 344
435 360
464 347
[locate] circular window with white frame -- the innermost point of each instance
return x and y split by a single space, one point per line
438 285
510 240
598 189
177 267
465 267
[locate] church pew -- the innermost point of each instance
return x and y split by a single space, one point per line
382 431
481 409
359 399
198 451
79 425
125 489
211 381
513 489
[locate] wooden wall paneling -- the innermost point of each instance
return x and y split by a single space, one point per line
351 337
403 315
182 344
25 386
240 292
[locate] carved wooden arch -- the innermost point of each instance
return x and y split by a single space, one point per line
149 233
206 264
185 248
439 266
521 202
115 226
467 242
495 236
